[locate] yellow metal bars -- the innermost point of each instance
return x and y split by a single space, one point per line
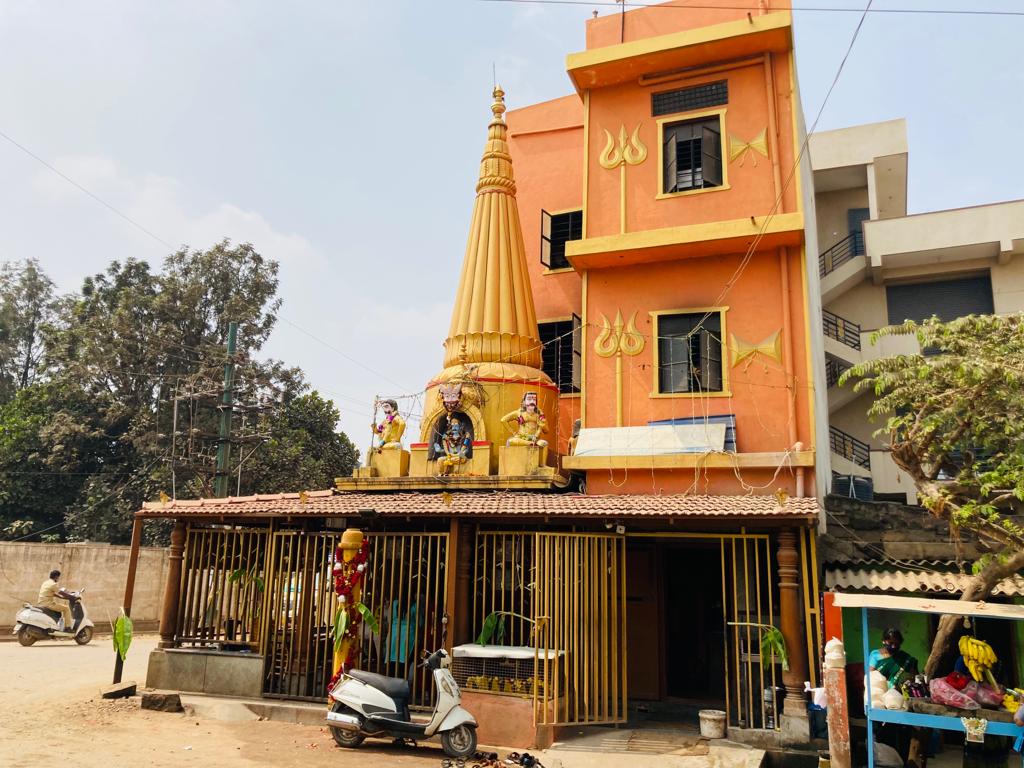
222 583
581 641
811 595
406 589
299 616
503 580
748 606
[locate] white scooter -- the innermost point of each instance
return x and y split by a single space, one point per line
365 704
34 623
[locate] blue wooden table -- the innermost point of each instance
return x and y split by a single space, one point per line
918 719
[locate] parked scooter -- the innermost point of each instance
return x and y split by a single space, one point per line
34 623
367 704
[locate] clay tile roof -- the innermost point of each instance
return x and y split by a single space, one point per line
330 503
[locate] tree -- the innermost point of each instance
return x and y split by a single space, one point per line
954 417
28 304
83 446
304 451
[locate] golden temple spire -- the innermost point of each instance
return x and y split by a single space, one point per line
494 319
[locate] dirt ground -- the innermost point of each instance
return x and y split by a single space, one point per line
49 696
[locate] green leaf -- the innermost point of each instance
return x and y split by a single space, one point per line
773 645
490 624
368 617
341 619
122 634
236 575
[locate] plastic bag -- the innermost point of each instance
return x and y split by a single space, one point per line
944 693
985 695
893 699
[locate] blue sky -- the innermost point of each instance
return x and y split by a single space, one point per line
343 140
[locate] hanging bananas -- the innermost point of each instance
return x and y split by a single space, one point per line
979 658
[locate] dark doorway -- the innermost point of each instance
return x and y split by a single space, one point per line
676 634
694 631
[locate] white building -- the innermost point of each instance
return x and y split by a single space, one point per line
879 266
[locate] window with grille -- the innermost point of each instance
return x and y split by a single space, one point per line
561 354
555 231
690 352
692 154
695 97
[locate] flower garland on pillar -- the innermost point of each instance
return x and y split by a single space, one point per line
347 577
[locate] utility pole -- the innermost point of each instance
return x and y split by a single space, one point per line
221 478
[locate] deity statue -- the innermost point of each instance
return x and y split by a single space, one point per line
454 448
389 432
528 423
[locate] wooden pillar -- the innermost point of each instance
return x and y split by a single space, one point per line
129 587
792 629
172 591
461 543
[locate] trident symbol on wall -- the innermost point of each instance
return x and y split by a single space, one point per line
631 152
617 339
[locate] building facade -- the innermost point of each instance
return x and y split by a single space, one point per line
878 266
618 459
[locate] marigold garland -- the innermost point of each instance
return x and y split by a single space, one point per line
347 576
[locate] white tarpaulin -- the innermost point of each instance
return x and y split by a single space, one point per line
650 441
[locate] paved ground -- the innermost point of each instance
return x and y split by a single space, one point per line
52 712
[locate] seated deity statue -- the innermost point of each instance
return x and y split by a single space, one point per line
454 448
528 423
388 434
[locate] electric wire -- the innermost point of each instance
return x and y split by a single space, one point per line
756 8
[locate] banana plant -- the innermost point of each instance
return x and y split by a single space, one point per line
494 625
342 621
773 644
122 634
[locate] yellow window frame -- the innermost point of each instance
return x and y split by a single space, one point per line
655 321
686 117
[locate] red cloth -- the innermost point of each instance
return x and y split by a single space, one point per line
957 680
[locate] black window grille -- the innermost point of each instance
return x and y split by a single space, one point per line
690 352
695 97
561 353
692 155
555 231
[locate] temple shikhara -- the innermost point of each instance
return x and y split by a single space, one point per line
617 465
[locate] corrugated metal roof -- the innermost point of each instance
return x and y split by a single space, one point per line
936 577
500 503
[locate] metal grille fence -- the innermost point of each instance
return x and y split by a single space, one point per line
222 584
849 247
840 329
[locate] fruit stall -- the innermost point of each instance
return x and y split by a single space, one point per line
978 707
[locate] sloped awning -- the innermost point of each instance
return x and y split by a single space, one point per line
912 576
509 504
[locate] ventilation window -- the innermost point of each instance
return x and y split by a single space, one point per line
555 231
685 99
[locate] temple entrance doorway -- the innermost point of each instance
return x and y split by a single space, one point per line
692 601
676 629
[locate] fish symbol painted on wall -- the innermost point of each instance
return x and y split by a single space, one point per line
741 149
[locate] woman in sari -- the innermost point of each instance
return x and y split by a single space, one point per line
890 660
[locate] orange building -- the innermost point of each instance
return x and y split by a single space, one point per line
615 470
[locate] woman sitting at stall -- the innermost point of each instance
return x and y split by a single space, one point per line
889 660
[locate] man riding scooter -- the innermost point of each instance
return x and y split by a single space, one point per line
49 593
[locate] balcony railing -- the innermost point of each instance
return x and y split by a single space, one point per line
834 368
850 246
841 329
849 447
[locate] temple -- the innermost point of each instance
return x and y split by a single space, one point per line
617 465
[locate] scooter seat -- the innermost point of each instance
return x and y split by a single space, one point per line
395 687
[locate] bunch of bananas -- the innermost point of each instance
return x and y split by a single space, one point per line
979 658
1010 702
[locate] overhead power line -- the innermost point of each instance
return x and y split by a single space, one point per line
752 8
90 193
